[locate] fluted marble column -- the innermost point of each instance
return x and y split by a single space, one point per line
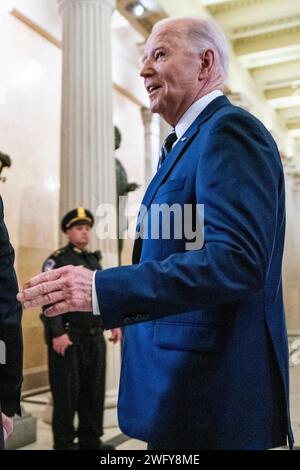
297 153
87 148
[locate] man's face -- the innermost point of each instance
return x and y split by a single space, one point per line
171 73
79 235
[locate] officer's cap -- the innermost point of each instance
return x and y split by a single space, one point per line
77 216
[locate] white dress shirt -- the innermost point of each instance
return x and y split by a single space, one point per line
190 115
181 127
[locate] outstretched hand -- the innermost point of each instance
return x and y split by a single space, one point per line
66 289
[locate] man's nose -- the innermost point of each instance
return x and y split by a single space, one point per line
146 69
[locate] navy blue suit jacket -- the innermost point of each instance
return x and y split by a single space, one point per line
205 359
10 327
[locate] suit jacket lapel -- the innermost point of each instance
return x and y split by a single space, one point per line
169 163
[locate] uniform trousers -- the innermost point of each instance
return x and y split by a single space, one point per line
77 382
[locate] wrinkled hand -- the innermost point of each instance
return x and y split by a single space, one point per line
116 335
61 343
67 289
8 426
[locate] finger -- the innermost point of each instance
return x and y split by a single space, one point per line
44 299
57 309
51 275
41 289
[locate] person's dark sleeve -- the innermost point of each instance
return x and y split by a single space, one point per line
53 325
11 346
237 180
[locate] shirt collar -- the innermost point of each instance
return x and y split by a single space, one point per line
76 249
190 115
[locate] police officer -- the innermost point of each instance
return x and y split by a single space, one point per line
76 349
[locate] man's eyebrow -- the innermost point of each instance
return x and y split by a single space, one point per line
157 48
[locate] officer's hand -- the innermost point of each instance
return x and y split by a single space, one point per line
116 335
8 426
61 343
68 289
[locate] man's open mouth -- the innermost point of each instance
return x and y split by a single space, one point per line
152 89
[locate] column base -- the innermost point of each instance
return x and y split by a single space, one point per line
110 419
24 431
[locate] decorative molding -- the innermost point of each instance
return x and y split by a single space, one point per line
273 84
292 126
267 35
269 57
81 3
233 5
128 95
266 27
32 25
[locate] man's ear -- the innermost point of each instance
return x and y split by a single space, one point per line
207 61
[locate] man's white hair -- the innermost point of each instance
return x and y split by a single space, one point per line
204 34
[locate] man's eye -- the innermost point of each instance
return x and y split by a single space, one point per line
159 54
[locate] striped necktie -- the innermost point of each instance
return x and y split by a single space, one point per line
167 147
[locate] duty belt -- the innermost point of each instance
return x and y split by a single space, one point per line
94 330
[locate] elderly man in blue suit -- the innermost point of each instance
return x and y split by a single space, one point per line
205 359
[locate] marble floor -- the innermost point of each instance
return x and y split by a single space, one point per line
36 406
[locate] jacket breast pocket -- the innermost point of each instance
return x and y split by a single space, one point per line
186 337
171 185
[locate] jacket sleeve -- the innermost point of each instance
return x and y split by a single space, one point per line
237 180
11 347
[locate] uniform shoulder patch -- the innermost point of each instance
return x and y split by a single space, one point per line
49 264
60 251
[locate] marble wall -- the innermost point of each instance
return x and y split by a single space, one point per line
30 133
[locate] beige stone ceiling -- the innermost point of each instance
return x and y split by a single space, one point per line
265 35
265 38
